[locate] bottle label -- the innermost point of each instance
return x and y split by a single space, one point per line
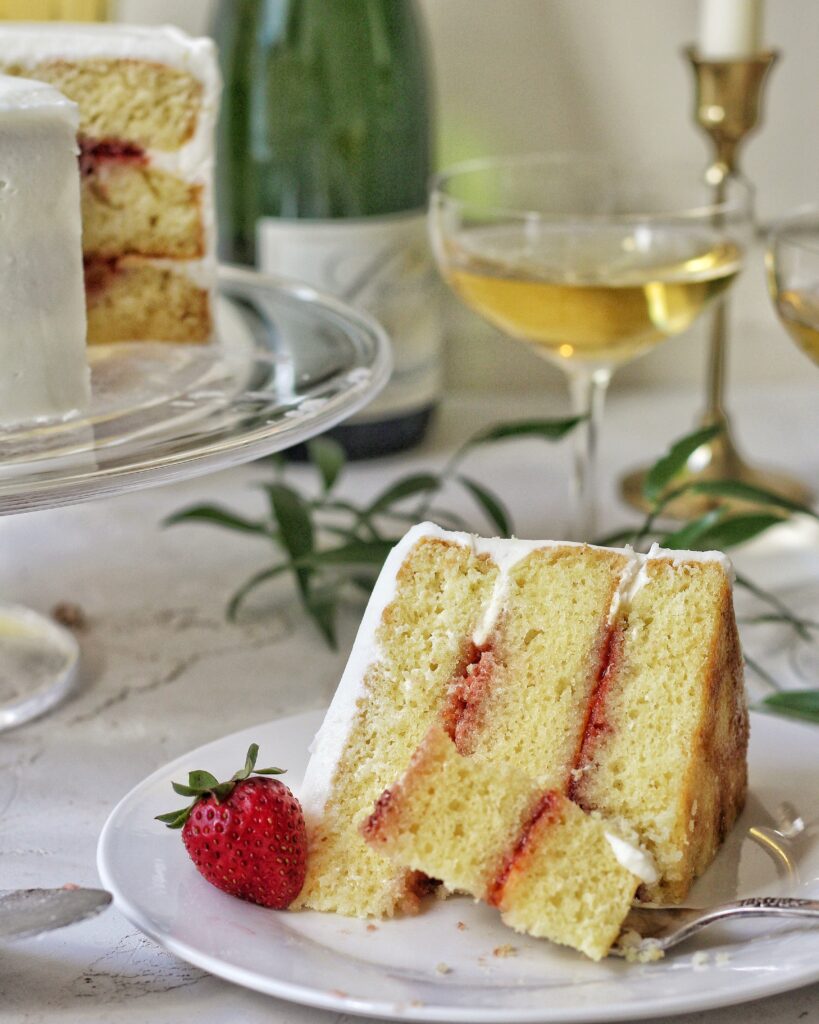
382 265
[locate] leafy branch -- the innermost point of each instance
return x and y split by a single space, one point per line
330 545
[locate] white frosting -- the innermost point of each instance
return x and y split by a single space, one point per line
27 44
329 743
43 372
634 859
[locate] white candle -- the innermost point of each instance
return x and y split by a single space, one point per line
730 29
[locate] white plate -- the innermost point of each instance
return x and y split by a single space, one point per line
394 968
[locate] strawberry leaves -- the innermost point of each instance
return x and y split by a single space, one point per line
202 783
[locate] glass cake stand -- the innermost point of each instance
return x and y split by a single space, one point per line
287 364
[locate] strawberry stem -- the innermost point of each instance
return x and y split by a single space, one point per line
202 784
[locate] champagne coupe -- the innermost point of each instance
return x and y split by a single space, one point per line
588 262
793 277
792 261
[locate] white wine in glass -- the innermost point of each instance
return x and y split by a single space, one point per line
793 276
588 263
792 261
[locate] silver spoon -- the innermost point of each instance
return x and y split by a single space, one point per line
27 912
659 928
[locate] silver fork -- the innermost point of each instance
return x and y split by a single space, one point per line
660 928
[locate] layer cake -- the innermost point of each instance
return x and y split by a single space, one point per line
148 100
610 677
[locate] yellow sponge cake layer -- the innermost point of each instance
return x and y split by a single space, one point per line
134 298
493 833
130 208
150 104
666 745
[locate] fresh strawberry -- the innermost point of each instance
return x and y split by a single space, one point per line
245 836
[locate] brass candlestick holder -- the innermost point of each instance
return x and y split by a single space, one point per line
727 108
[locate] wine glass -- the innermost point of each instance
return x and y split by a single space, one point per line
793 277
588 262
792 261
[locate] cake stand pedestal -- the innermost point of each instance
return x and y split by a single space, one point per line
288 364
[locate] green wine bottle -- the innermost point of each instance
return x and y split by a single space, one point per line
324 158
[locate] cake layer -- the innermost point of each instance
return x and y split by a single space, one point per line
43 372
527 678
130 208
135 298
146 85
493 833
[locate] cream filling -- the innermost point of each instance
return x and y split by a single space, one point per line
636 860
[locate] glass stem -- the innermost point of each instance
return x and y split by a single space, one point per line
587 388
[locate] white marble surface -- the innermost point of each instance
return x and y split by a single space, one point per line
164 672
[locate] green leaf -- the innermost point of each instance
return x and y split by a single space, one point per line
174 819
795 703
328 457
401 489
218 517
732 530
292 513
740 491
688 535
294 518
250 585
549 430
182 790
670 465
321 607
200 781
490 504
357 552
270 771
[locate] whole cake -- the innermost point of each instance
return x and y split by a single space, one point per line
612 678
43 372
148 100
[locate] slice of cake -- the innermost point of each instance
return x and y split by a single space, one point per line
487 830
148 100
611 677
43 372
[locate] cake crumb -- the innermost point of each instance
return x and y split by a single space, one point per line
636 949
372 927
700 960
70 615
417 1002
443 968
722 959
339 992
461 926
505 951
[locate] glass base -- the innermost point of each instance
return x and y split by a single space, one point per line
374 439
38 664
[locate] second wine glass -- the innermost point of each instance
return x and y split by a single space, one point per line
588 262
